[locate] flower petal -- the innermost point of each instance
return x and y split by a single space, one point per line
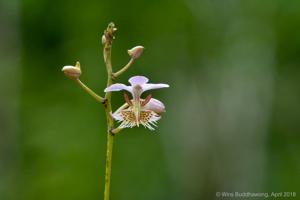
151 86
117 116
155 105
138 80
118 87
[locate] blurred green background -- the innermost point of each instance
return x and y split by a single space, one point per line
232 120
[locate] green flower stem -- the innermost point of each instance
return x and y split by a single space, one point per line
121 71
89 91
106 101
107 105
110 141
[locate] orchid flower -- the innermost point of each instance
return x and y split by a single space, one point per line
138 111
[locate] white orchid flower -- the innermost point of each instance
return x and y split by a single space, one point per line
138 111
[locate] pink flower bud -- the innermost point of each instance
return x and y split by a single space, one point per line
135 52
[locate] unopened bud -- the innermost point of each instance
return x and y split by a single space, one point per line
103 39
135 52
73 72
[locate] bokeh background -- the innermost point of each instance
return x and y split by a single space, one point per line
232 120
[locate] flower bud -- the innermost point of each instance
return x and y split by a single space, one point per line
155 105
103 39
135 52
73 72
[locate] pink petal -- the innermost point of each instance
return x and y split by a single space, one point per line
155 105
138 80
151 86
118 87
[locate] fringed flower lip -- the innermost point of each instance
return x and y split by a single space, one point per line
138 111
128 119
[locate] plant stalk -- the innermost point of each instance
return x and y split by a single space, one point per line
121 71
110 122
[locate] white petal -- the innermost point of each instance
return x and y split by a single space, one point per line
151 86
118 87
117 116
138 80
